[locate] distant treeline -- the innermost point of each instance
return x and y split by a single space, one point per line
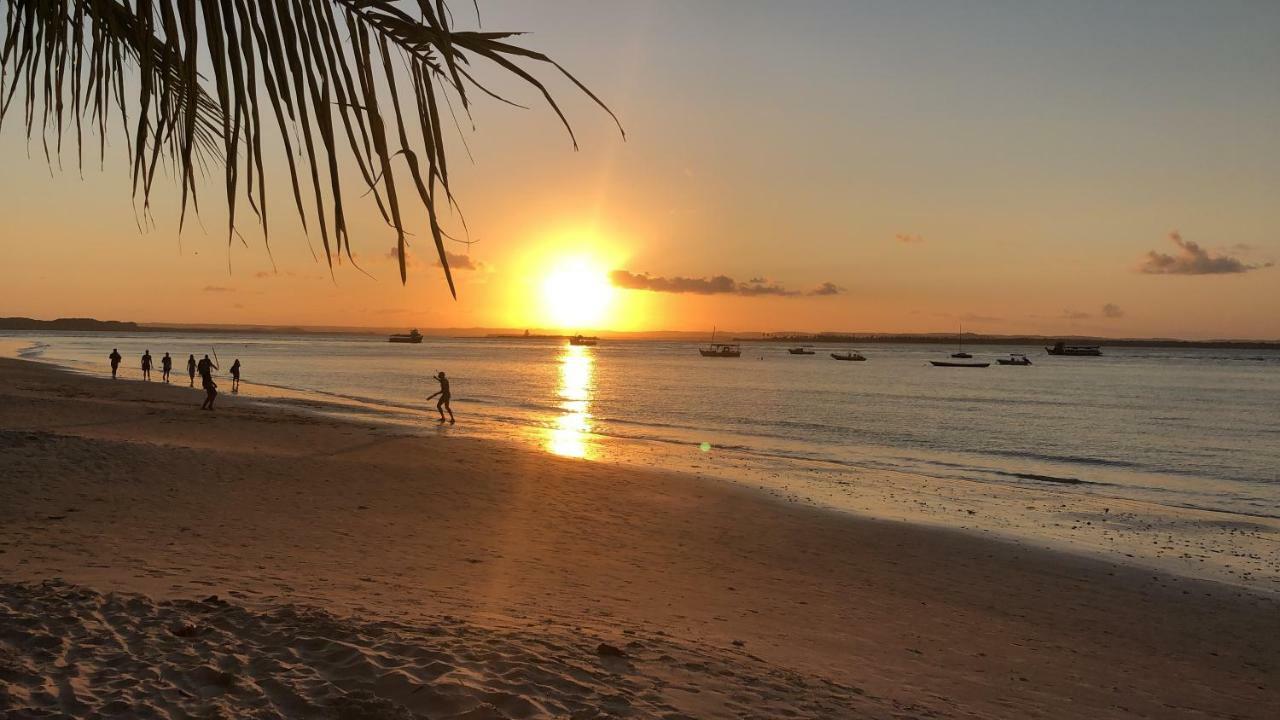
22 323
1033 340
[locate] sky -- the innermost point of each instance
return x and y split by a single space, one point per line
1100 168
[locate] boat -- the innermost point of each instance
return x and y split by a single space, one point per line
944 363
800 351
852 355
583 341
1014 359
720 350
414 337
960 353
715 349
1061 348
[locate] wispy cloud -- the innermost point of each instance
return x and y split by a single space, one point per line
909 239
457 261
1191 259
218 289
715 285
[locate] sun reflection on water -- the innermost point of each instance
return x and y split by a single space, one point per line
569 434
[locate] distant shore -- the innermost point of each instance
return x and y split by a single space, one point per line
463 578
23 324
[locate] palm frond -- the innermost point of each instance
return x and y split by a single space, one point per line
206 80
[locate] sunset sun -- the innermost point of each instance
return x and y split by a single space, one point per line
576 294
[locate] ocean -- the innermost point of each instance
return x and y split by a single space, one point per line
1185 427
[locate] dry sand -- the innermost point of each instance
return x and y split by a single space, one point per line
360 572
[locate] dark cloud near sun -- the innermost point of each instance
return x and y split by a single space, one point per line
1191 259
457 261
1111 310
715 285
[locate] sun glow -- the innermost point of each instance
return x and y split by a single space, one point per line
576 294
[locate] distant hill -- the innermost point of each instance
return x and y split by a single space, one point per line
83 324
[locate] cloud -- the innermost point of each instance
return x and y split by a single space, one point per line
1075 315
1191 259
458 261
909 239
1111 310
218 289
715 285
263 274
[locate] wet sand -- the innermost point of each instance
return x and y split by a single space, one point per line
364 572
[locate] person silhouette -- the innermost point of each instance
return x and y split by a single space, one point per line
206 367
235 376
443 392
191 369
166 364
115 362
146 365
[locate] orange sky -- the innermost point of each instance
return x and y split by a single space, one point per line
1009 168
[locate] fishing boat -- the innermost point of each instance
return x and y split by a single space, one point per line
1014 359
852 355
583 341
414 337
960 353
1061 348
800 351
945 363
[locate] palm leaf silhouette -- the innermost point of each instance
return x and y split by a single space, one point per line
199 82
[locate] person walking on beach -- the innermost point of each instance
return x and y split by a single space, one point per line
206 368
443 392
191 369
235 376
166 364
115 362
146 365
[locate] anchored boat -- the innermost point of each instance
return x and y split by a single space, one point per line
1014 359
583 341
1061 348
800 351
852 355
414 337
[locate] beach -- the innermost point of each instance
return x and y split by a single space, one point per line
267 562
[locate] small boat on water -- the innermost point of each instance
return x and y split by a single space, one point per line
852 355
583 341
721 350
1014 359
800 351
960 353
715 349
414 337
945 363
1061 348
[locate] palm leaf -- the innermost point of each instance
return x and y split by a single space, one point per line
199 82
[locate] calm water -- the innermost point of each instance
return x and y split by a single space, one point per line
1181 427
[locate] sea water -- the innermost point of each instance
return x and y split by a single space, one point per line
1181 427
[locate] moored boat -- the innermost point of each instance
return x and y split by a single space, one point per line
800 351
1061 348
945 363
413 336
852 355
1014 359
725 350
583 341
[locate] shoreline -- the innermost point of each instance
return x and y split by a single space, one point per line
127 488
1238 548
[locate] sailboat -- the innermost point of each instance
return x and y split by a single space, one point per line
960 353
724 350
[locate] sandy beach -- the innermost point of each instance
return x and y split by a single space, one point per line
159 561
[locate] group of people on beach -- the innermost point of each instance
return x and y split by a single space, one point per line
204 368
